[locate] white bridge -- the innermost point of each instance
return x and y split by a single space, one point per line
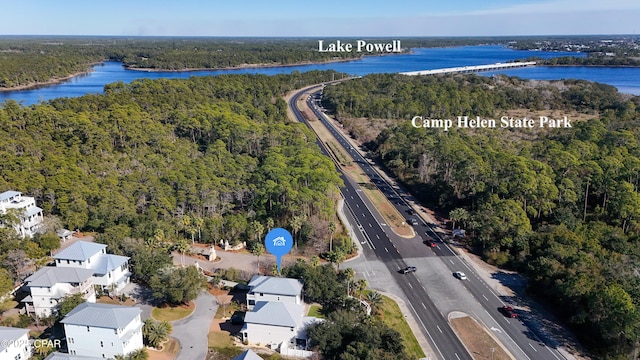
471 69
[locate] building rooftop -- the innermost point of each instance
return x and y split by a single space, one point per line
8 195
101 315
247 355
108 262
10 333
62 356
275 313
50 275
80 250
275 285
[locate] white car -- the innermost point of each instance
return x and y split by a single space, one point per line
460 275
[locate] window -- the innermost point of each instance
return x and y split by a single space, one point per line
73 352
261 294
70 340
67 261
88 329
101 344
115 331
252 302
18 357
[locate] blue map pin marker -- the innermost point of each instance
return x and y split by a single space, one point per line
278 242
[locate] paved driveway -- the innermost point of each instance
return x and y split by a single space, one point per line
192 331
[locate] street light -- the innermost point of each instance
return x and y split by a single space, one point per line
492 350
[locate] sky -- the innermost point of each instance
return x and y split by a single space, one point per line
318 18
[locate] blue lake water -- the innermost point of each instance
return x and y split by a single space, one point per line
625 79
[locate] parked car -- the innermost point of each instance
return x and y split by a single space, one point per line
508 311
408 269
460 275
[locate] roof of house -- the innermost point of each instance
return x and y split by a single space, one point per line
32 211
10 333
50 275
62 356
275 285
108 262
247 355
8 194
80 250
276 314
64 232
101 315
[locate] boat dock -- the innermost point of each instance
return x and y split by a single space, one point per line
471 69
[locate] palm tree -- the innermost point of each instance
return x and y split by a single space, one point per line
258 250
296 225
182 246
198 222
332 228
270 224
155 332
258 229
374 299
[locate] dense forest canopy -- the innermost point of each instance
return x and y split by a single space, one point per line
208 158
561 205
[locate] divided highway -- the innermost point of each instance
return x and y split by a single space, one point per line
396 253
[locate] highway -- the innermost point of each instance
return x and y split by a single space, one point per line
521 340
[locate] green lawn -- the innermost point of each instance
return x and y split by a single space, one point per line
392 316
172 313
315 311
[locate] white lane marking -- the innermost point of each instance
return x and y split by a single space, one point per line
485 297
385 249
534 349
439 329
410 285
378 236
424 306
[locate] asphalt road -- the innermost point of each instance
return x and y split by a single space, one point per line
519 335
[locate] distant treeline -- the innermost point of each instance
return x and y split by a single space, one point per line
26 61
601 60
562 207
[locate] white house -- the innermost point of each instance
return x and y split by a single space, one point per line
50 284
15 343
269 288
277 323
103 330
63 356
107 269
29 214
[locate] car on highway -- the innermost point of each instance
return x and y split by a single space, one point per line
412 221
408 269
460 275
508 311
411 212
430 243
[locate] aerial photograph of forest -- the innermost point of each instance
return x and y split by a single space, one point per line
408 180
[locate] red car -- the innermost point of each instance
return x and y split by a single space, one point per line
508 311
430 243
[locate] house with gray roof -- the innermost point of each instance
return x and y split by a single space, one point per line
270 288
15 343
103 330
29 215
108 270
49 285
277 324
246 355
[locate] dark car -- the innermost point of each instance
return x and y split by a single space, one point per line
408 269
412 221
411 212
508 311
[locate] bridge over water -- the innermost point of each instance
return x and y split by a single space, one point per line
471 69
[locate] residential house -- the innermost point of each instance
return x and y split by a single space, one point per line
29 215
50 284
277 324
103 330
63 356
108 270
269 288
14 344
246 355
